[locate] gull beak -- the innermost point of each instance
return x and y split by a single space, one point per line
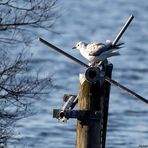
74 47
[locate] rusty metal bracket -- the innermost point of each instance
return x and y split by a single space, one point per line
79 114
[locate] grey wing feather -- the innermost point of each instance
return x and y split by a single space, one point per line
99 48
103 48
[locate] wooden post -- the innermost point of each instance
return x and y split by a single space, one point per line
93 95
88 132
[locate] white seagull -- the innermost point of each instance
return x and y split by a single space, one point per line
96 53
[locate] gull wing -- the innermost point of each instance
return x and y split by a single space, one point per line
99 48
95 49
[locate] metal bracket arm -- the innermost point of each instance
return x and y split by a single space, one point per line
79 114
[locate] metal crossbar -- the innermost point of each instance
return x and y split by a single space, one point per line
113 82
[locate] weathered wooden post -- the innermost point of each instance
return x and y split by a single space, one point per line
88 131
92 96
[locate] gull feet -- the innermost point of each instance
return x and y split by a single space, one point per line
94 64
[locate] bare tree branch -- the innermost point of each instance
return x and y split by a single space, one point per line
18 89
20 17
20 85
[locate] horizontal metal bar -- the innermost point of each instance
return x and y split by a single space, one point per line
63 53
125 89
78 114
113 82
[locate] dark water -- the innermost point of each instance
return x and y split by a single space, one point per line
90 21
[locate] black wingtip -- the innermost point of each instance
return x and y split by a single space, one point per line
118 46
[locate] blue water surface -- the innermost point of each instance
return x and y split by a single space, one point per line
90 21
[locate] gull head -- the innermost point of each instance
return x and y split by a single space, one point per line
80 45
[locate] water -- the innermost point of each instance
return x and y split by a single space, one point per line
89 21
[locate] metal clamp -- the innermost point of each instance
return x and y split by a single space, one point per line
79 114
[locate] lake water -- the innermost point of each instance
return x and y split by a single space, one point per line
90 21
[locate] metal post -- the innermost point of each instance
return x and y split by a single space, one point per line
106 94
122 30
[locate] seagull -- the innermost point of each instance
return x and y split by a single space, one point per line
97 53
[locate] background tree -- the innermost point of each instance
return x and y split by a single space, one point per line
21 20
20 23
